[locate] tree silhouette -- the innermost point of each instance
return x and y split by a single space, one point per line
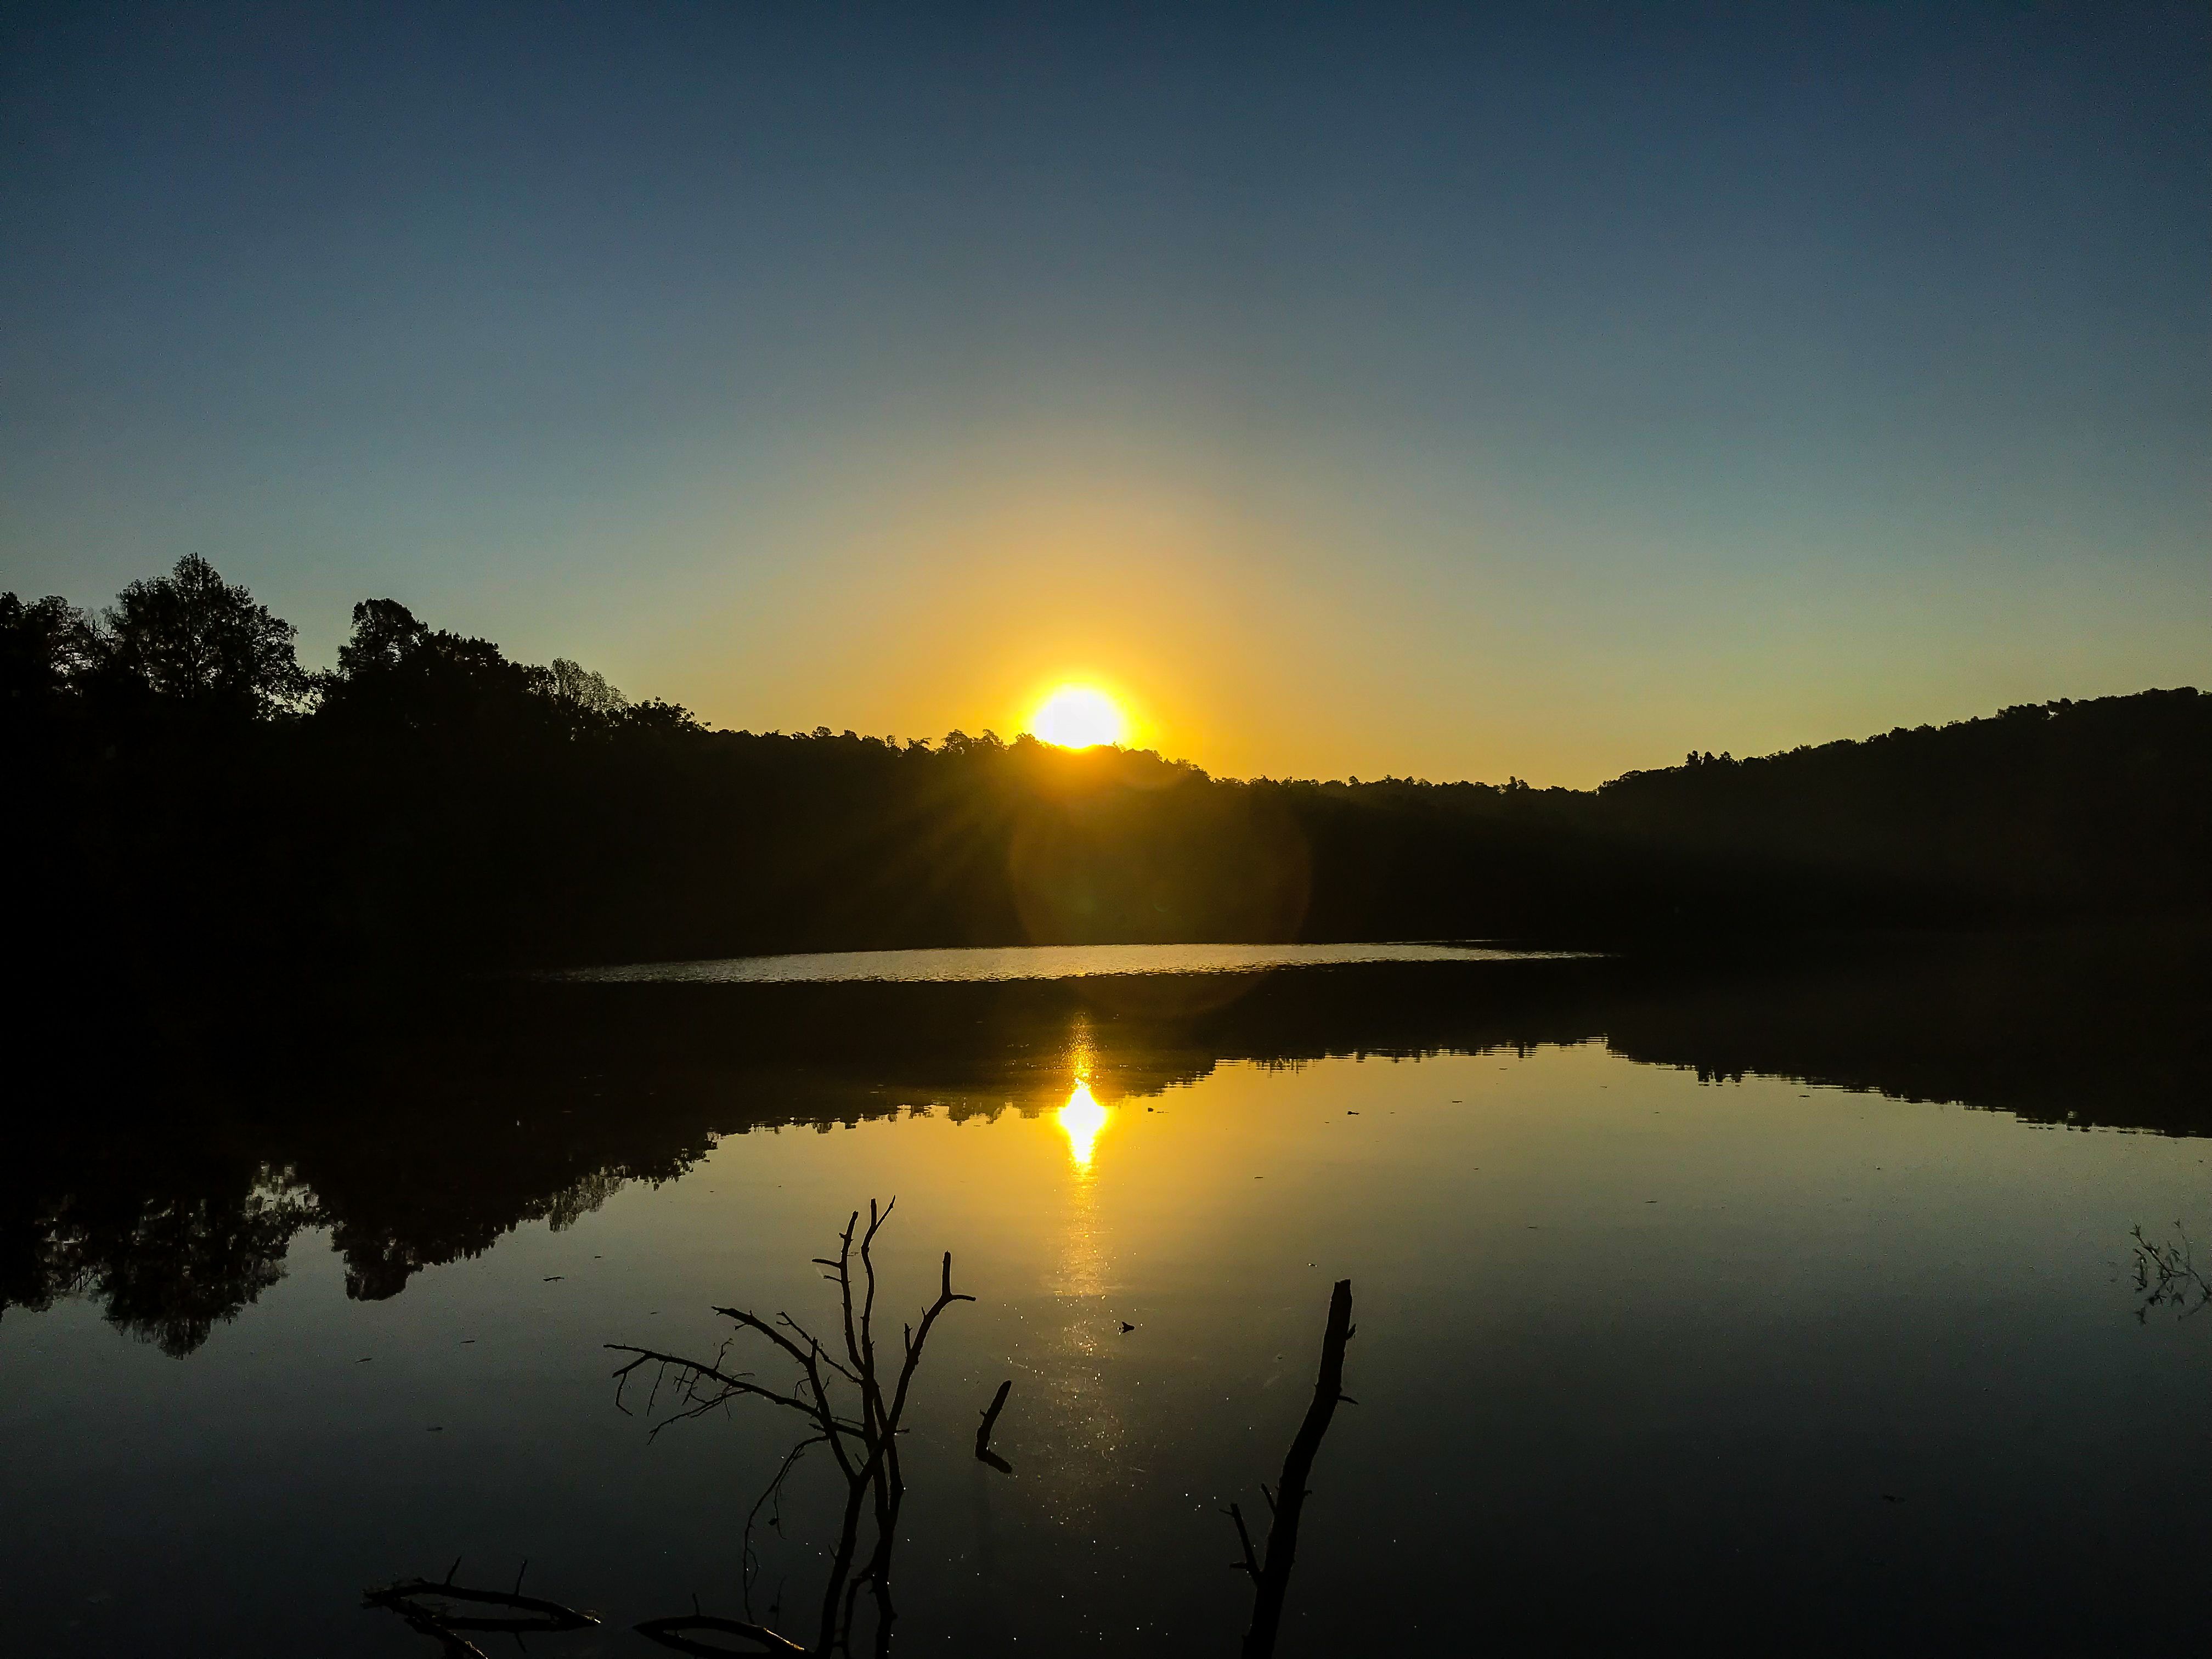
193 639
441 805
577 685
395 673
46 647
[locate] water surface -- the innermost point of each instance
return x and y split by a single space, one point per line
1689 1311
1013 962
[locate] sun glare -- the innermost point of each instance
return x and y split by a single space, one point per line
1079 716
1082 1118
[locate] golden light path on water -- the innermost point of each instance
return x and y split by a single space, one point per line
1083 1117
1071 1372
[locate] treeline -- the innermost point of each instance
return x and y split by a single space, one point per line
188 797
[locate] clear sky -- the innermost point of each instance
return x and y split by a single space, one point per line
1461 391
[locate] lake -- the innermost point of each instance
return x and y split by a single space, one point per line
999 963
1787 1302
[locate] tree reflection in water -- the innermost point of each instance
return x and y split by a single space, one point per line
170 1192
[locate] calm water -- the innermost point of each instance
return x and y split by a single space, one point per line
996 962
1673 1325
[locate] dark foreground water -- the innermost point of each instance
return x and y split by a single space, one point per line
1758 1309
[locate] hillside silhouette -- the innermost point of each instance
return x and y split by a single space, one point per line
192 800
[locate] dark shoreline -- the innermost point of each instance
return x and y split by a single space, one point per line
2109 1025
163 1167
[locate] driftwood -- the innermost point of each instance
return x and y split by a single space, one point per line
1271 1575
862 1436
983 1452
450 1642
525 1614
677 1634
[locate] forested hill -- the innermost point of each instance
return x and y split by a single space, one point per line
184 795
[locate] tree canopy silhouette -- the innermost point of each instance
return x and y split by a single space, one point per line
202 801
193 638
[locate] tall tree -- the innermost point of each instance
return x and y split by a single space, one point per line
397 673
191 637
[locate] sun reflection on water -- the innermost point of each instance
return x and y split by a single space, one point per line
1083 1117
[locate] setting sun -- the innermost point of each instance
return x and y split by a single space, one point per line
1079 716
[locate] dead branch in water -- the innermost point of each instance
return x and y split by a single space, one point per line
1271 1575
983 1452
677 1634
862 1436
2168 1275
409 1598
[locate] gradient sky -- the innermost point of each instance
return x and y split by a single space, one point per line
1457 391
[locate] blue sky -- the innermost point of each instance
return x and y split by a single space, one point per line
1454 390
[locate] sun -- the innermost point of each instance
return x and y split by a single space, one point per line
1079 716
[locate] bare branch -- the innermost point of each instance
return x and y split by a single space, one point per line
2168 1275
1250 1564
862 1438
946 1298
696 1369
1271 1578
674 1633
414 1600
983 1452
773 1493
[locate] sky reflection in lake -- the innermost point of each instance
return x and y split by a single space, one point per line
1642 1348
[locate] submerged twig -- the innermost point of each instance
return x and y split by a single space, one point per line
983 1452
1271 1575
676 1633
2168 1275
862 1436
410 1598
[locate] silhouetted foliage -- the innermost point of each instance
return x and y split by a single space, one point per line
46 648
203 805
396 675
579 687
168 1181
192 640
